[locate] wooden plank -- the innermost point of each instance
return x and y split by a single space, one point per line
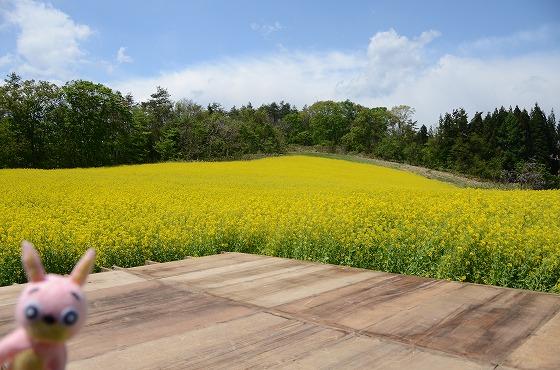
7 319
192 264
370 353
431 306
374 300
246 290
338 280
491 329
222 312
127 315
110 279
268 341
262 273
227 272
295 284
99 281
260 340
541 350
271 347
484 323
10 294
252 275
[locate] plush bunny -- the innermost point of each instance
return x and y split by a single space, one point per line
51 309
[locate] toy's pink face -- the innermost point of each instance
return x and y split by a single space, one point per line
52 310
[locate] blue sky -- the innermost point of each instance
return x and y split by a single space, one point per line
432 55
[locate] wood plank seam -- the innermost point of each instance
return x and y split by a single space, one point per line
521 341
516 344
500 291
350 332
147 276
526 338
337 327
135 273
347 330
499 307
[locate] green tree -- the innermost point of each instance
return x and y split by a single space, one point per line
94 119
9 150
422 135
166 146
160 112
328 122
510 141
553 143
542 142
27 108
138 136
368 129
460 151
293 126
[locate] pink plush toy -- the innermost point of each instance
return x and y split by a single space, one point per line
51 309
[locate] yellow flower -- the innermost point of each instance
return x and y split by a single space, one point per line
295 206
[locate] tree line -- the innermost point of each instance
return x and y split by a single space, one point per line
85 124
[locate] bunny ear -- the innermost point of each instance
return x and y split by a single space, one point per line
83 267
31 262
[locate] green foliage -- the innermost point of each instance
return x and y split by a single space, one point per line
9 147
506 145
329 121
27 110
94 120
368 129
84 124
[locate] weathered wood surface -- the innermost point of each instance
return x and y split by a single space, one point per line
236 310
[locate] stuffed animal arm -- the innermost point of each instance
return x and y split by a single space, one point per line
50 310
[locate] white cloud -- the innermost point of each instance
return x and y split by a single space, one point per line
48 40
392 59
538 37
479 85
266 29
122 57
6 60
391 71
294 77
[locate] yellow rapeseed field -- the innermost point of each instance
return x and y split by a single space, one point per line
296 206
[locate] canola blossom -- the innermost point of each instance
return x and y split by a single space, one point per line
302 207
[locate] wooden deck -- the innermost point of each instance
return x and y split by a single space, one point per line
240 311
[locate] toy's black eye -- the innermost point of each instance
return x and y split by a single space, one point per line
70 317
31 312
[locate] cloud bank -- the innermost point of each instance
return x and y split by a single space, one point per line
391 70
48 40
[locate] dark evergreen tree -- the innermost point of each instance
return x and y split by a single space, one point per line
554 142
159 109
422 136
510 141
540 136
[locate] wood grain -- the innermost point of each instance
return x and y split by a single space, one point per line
236 311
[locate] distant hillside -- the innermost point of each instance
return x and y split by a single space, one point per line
453 178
